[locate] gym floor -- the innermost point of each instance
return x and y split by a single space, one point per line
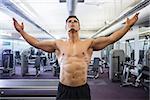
101 88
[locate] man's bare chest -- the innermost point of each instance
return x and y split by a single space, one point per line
74 50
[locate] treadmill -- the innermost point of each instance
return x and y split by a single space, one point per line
27 89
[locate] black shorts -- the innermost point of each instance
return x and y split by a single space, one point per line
73 93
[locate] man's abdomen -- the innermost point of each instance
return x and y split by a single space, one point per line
73 73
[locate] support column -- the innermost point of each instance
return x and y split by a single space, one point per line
137 46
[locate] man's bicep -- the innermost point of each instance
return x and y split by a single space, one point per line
100 43
47 45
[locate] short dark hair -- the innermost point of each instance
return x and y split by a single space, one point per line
71 17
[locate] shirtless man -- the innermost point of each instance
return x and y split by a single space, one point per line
74 56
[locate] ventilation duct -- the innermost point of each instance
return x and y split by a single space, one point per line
71 5
79 1
13 8
143 7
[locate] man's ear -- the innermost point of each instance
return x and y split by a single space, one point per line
79 26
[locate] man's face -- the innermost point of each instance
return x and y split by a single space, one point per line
72 23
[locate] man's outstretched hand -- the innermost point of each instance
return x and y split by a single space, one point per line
132 21
18 27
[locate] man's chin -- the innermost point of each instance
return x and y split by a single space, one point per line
72 30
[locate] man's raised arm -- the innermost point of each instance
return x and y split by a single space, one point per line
102 42
48 46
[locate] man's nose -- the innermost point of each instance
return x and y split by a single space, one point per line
72 21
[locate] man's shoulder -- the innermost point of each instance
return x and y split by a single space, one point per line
59 41
88 40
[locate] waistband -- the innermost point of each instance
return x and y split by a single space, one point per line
72 86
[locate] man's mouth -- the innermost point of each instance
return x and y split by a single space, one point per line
72 25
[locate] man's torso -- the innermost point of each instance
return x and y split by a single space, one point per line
73 59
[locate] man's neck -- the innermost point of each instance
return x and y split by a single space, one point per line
73 36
